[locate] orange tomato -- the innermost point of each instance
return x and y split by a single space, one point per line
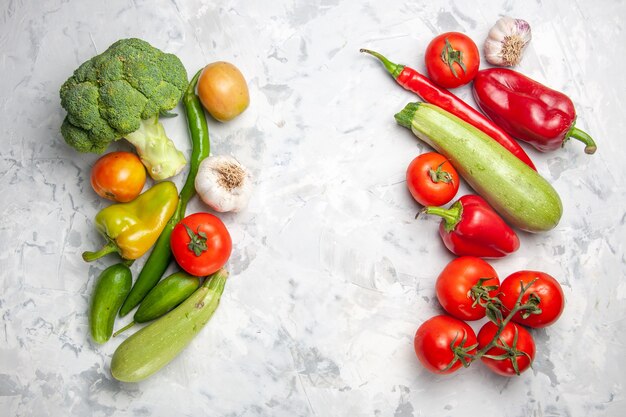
118 176
223 91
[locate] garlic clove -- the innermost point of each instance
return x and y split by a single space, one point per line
223 183
506 41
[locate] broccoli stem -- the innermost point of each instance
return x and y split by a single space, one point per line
156 150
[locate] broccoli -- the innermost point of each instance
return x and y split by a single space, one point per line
120 94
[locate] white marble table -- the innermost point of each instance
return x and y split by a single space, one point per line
331 275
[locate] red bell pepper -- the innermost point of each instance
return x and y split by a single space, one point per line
421 85
528 110
471 227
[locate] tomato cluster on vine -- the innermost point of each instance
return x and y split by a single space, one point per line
469 289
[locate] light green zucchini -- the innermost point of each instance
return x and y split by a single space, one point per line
154 346
518 193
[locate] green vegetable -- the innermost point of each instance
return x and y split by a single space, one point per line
111 290
161 254
521 196
154 346
130 229
121 93
166 295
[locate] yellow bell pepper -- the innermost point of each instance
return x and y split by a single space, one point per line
132 228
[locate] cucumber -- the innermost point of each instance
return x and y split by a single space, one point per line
517 192
111 290
166 295
154 346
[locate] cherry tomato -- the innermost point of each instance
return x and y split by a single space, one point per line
201 244
454 287
432 180
452 59
223 91
550 299
118 176
433 341
519 348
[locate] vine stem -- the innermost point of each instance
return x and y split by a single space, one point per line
518 307
128 326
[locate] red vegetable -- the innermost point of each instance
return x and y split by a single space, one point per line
452 59
431 179
545 296
118 176
443 343
513 352
528 110
471 227
465 286
201 244
413 81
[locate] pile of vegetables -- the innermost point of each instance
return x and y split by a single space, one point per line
469 289
122 93
510 194
128 91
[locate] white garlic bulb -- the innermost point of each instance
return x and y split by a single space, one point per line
506 41
223 183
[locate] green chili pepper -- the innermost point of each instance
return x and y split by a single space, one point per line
161 255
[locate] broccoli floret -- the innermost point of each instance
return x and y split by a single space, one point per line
120 94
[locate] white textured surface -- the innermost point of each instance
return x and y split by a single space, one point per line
331 275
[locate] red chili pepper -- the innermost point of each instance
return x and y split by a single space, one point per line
528 110
471 227
413 81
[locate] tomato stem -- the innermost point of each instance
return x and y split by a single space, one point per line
492 305
501 325
197 241
439 175
461 352
449 56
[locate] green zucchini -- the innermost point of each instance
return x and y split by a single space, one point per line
111 290
166 295
517 192
154 346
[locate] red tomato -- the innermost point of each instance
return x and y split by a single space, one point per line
201 244
454 287
519 347
551 299
118 176
435 337
432 180
452 59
